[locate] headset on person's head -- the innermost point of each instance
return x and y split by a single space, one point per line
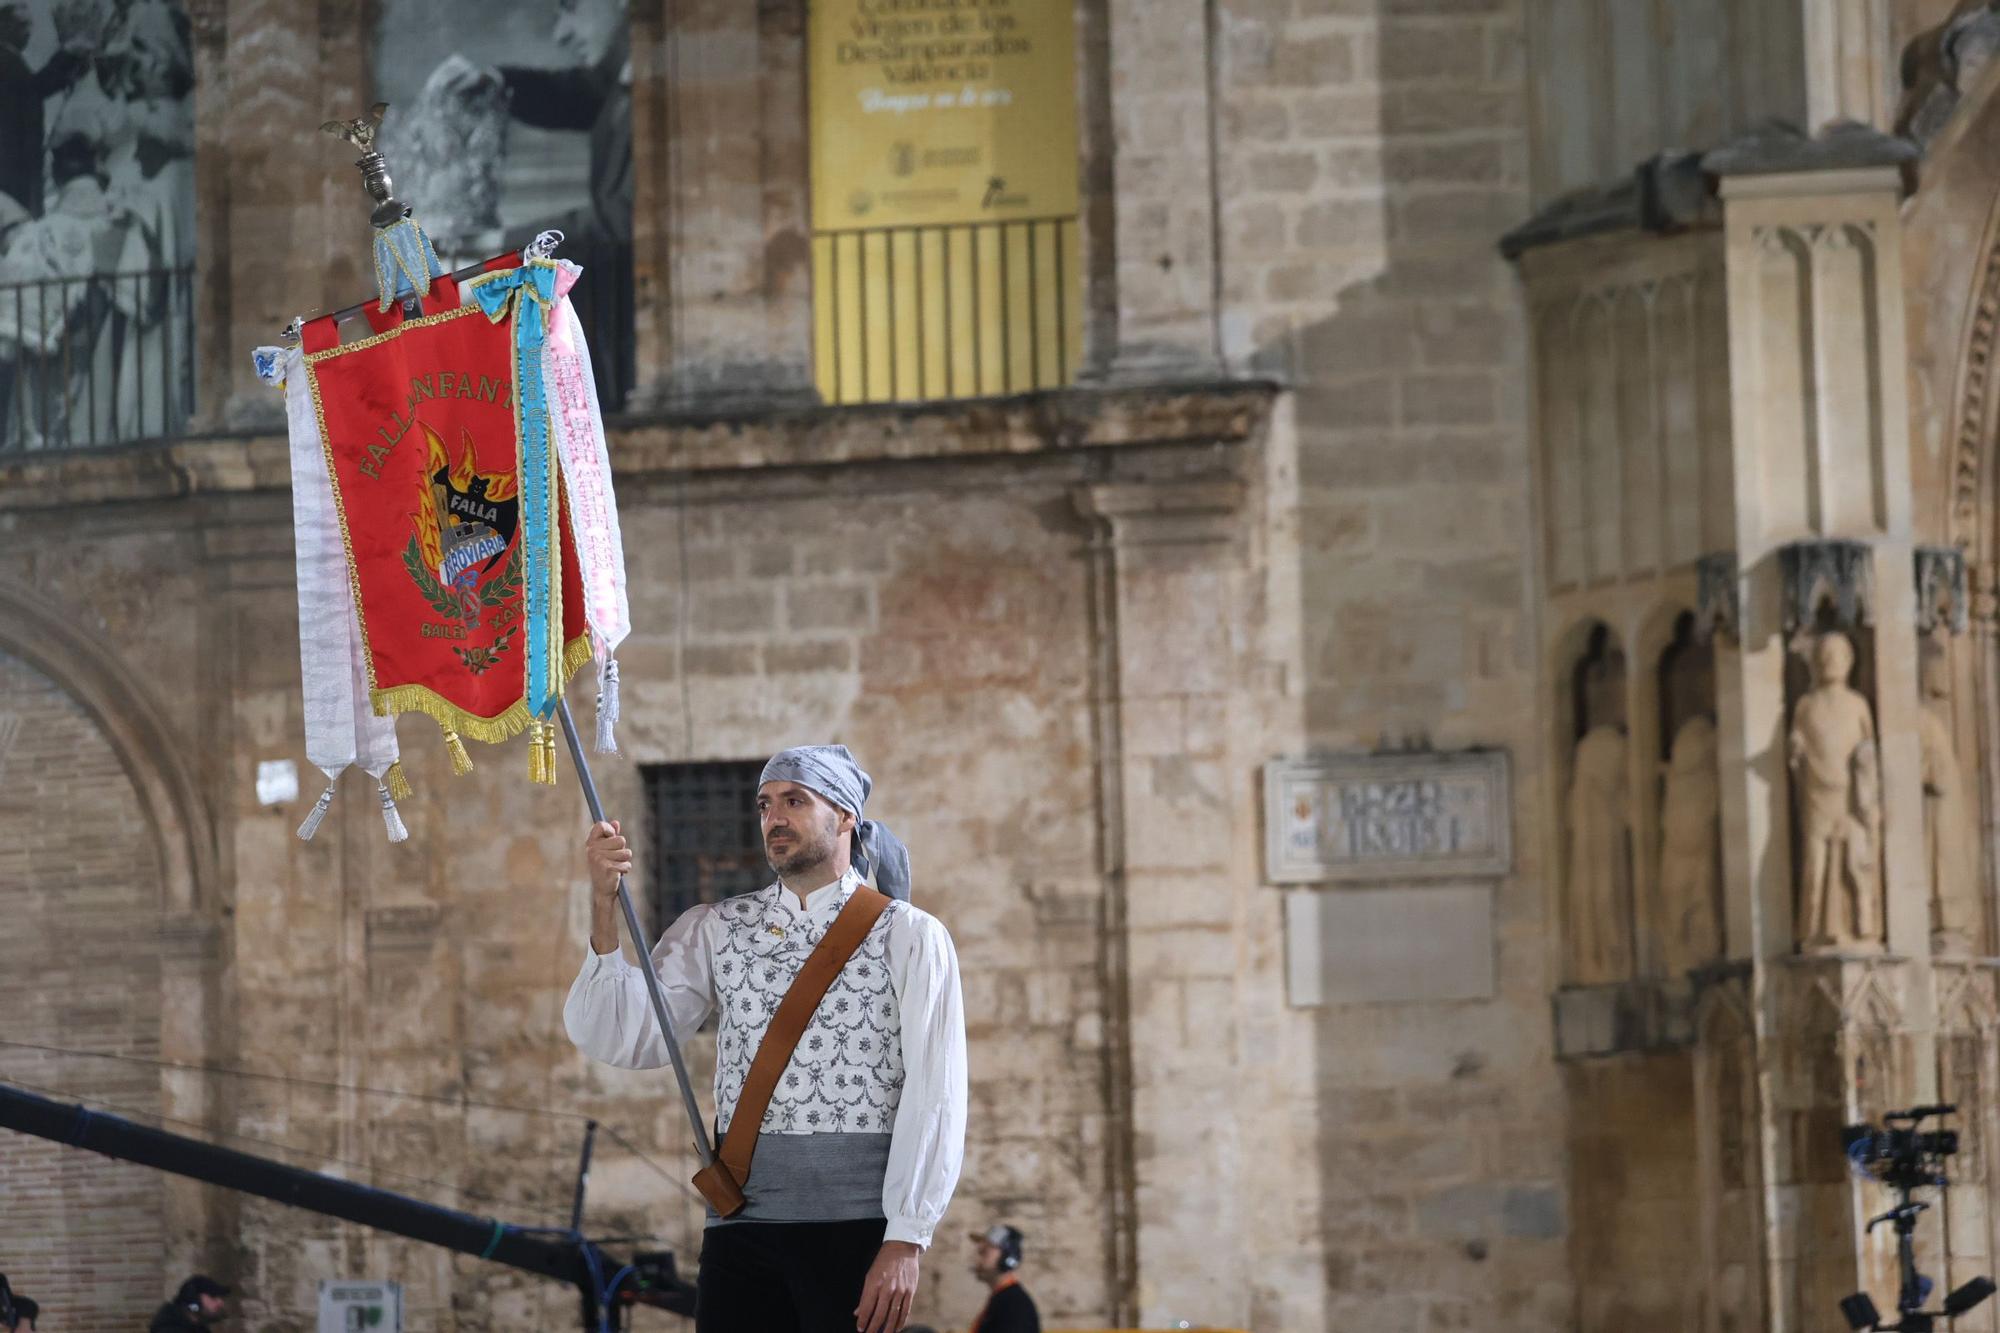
1007 1240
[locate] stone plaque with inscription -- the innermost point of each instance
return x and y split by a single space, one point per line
1347 818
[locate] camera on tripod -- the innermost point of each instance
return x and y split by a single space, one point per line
1899 1151
1907 1158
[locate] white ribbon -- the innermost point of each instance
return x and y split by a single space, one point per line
341 726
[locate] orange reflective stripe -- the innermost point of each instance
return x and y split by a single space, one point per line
1006 1281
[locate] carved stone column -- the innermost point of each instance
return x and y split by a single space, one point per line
1968 1075
1729 1122
1161 62
721 221
1821 489
1848 66
283 222
1169 582
1851 1043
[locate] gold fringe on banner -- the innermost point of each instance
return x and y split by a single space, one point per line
490 730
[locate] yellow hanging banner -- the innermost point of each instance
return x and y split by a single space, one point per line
932 112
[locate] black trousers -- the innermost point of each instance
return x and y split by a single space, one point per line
784 1277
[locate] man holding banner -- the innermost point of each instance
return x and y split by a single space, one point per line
840 1056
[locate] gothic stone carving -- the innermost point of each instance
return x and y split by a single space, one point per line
1942 599
1775 147
1690 846
1838 572
1970 448
1939 65
1718 602
1600 881
1948 838
1837 787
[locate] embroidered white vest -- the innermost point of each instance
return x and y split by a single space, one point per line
846 1074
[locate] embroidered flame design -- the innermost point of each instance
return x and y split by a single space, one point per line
430 514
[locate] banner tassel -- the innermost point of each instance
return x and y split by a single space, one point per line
542 753
399 785
607 707
392 819
317 815
461 762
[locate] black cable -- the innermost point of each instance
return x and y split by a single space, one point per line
474 1195
433 1098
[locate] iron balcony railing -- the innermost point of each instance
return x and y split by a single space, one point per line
953 310
89 362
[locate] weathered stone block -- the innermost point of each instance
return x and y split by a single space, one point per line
1427 51
1339 222
1283 172
734 610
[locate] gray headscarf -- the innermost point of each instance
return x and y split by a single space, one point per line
831 771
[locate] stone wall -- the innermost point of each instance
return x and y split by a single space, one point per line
1370 154
79 971
1634 1154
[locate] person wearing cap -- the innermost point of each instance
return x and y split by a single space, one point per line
860 1147
996 1261
199 1303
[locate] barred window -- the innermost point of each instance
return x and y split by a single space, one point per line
706 844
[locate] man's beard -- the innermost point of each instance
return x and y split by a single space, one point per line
810 847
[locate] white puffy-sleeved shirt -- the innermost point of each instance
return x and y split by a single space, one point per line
868 1118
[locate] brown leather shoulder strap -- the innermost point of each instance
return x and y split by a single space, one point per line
801 1002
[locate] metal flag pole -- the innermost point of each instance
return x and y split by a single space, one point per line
702 1148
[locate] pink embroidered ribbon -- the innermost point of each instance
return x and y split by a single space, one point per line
593 508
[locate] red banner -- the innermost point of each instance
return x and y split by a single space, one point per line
421 440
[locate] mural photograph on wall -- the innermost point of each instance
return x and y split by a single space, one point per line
496 132
96 221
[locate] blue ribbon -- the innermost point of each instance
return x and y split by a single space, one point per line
404 258
496 296
527 294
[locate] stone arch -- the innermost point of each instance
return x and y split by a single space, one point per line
86 969
1952 254
152 754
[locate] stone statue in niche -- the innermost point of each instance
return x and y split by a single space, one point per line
1599 861
1836 779
1948 846
1690 849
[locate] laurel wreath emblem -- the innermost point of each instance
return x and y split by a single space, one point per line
499 592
